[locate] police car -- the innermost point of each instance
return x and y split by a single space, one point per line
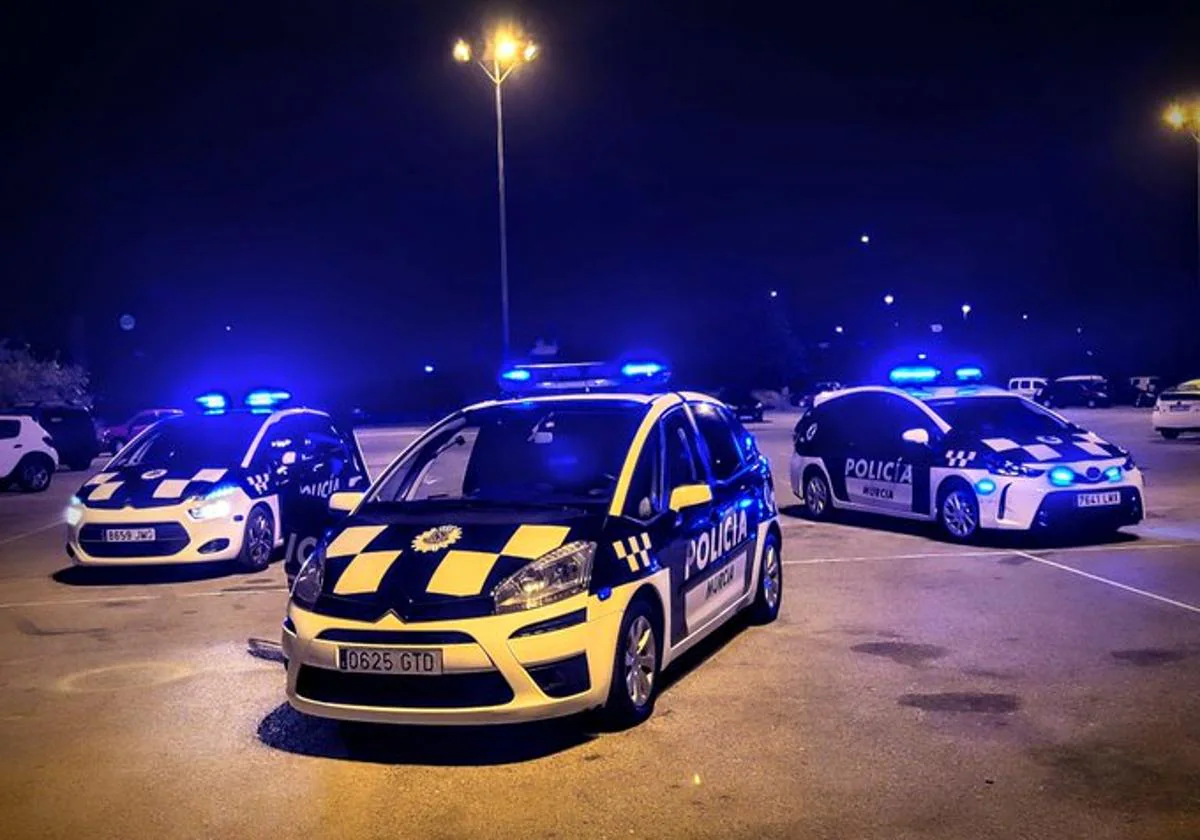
537 556
216 485
967 456
1177 410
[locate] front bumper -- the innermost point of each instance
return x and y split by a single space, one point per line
1028 503
179 539
491 672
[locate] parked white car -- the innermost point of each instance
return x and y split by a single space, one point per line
1178 410
1027 386
27 457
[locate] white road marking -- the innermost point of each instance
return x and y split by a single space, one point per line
110 599
1118 585
987 553
25 534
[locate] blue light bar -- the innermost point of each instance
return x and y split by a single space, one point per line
266 398
213 402
516 375
632 369
1062 476
914 374
969 373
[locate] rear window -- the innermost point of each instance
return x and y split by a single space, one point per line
9 429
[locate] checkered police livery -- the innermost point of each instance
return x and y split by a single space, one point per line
967 457
211 487
533 558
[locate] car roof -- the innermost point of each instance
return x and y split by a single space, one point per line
610 397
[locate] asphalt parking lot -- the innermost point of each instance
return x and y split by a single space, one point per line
910 688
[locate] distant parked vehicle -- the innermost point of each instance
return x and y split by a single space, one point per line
745 405
27 457
1178 410
1147 389
803 397
1027 386
71 428
112 438
1071 391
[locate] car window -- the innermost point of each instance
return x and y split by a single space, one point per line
645 495
680 462
9 429
321 438
445 476
852 419
725 457
898 415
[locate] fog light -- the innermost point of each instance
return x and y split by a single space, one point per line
985 486
213 546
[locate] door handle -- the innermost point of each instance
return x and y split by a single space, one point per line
18 446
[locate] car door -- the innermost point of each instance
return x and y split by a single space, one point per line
882 472
720 562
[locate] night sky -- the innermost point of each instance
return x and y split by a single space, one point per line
320 177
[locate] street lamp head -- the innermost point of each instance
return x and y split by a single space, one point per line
1175 116
531 51
505 48
839 329
865 239
966 309
889 299
462 51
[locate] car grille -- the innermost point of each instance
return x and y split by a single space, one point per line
172 538
448 691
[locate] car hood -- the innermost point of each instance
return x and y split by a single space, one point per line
148 487
438 566
1044 449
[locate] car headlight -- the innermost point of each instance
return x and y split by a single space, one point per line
311 578
561 573
74 512
213 505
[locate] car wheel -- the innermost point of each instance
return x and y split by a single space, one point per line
636 666
770 584
958 512
258 540
34 472
1169 434
817 497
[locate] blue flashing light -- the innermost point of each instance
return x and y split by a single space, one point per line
516 375
604 594
969 373
1062 476
985 486
632 369
266 398
914 374
213 402
1113 474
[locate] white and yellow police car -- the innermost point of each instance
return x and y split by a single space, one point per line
536 557
215 485
967 456
1177 410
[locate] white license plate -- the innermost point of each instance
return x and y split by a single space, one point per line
1178 408
129 535
389 660
1098 499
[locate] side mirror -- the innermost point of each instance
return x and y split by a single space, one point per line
345 501
918 436
690 495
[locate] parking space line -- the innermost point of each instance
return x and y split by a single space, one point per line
67 602
926 556
1118 585
25 534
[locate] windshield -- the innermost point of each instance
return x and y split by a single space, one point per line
192 443
532 453
999 416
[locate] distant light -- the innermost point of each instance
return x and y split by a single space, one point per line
774 293
641 369
1024 316
985 486
213 402
429 368
505 47
1062 476
229 328
839 329
266 398
127 322
864 239
1113 473
935 328
531 52
968 373
966 309
462 51
922 356
1079 330
914 374
889 299
1175 116
516 375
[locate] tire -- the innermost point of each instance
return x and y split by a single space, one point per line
258 539
770 584
1169 434
818 498
638 651
958 512
33 473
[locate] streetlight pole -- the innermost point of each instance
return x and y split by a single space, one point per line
503 51
1187 118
